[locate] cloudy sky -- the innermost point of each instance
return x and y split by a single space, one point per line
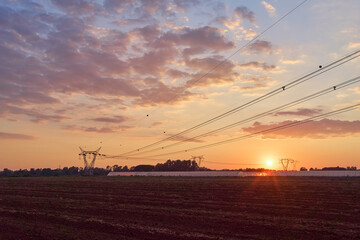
125 74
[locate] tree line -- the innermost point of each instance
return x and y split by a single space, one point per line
170 165
47 172
349 168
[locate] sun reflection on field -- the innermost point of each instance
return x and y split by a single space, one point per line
262 174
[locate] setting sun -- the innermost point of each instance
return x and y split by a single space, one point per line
269 162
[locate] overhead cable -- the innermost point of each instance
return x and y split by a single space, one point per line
270 130
279 90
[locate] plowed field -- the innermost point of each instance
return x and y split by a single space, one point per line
179 208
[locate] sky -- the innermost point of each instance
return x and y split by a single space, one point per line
125 74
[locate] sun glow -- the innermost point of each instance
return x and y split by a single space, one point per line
269 162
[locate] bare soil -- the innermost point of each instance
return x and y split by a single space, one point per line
179 208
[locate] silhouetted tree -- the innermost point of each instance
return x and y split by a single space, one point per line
144 168
177 165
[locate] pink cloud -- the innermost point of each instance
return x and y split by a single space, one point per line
76 6
163 94
254 83
258 65
76 59
153 62
113 129
47 52
260 46
207 37
187 52
155 124
114 40
149 32
15 136
116 6
204 76
174 73
183 5
324 128
245 14
300 112
114 119
35 116
203 37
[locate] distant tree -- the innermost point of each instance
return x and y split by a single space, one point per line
177 165
7 173
144 168
352 168
73 170
116 168
46 172
100 171
303 169
333 169
65 171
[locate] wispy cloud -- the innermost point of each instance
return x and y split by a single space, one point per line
113 119
291 62
353 45
269 8
300 112
113 129
324 128
258 65
15 136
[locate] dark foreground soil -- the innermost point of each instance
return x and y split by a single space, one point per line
179 208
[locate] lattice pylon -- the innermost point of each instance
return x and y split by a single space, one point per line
285 163
89 165
198 159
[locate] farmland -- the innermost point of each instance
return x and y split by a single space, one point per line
179 208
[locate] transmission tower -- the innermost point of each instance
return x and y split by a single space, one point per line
198 159
88 162
285 162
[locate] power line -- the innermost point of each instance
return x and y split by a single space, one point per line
260 115
237 164
131 158
211 162
285 87
238 50
292 124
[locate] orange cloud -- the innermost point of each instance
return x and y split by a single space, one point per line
269 8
